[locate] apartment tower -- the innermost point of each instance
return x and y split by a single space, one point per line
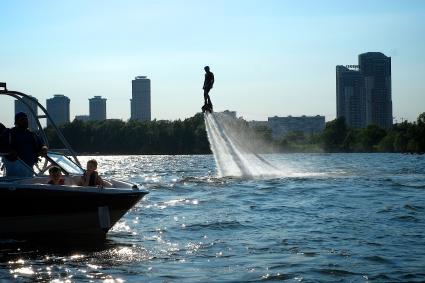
58 108
141 99
97 108
363 91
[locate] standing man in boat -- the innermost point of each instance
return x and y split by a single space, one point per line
24 147
2 145
208 85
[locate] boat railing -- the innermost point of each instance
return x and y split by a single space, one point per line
26 100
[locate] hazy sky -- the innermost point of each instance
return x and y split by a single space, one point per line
269 57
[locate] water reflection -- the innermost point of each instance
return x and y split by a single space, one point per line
66 260
354 219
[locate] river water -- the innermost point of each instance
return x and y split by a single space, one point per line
326 218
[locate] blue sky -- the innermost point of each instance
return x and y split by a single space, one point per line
269 57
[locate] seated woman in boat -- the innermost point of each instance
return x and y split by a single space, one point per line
91 177
56 176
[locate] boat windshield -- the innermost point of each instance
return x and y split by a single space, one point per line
65 163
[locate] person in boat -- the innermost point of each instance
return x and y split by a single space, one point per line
2 144
3 147
55 176
91 176
2 128
23 148
208 85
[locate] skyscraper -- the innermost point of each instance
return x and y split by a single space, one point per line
376 71
363 92
350 98
21 106
97 108
58 108
141 99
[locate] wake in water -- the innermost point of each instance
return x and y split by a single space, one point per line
233 153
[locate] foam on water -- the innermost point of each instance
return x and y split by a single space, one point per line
232 154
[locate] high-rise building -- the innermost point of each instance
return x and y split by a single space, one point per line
25 106
141 99
83 118
58 108
97 108
363 92
376 70
350 97
280 126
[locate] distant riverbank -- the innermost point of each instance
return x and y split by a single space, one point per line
115 137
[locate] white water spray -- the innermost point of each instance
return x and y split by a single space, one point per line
232 154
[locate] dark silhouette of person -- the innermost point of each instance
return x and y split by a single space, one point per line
22 144
3 146
208 85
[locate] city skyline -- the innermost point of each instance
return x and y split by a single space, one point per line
269 58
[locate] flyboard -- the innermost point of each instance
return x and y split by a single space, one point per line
207 107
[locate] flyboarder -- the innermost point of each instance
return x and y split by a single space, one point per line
208 85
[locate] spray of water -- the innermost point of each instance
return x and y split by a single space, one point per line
233 152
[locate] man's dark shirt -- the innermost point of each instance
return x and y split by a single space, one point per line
3 144
26 143
209 81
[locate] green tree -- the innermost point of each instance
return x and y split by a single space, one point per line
387 143
421 133
263 132
135 137
369 137
334 135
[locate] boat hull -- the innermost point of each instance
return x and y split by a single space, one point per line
30 212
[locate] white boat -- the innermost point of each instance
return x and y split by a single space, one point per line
32 208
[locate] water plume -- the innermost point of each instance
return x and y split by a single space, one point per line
234 148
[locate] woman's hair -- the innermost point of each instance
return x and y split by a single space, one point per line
93 162
54 169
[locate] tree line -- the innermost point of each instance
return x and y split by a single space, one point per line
189 137
134 137
403 137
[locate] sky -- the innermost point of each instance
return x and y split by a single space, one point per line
268 57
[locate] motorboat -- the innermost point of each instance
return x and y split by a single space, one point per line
31 208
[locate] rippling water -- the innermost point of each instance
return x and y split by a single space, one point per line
329 217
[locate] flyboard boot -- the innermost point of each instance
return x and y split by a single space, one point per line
208 107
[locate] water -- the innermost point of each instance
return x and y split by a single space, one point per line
334 217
